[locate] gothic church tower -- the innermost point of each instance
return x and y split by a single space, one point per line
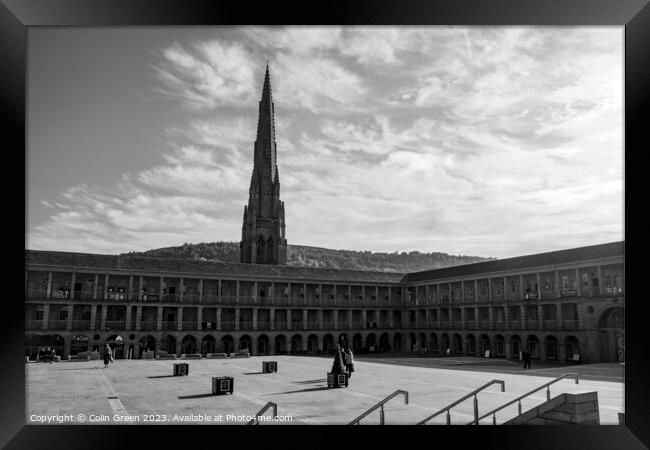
263 240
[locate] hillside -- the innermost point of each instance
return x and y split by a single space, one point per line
303 256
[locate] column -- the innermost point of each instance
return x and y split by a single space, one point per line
390 295
73 279
336 319
476 293
505 288
178 347
363 295
140 284
540 317
288 316
255 291
46 316
506 320
539 286
438 293
578 283
377 296
200 291
522 312
237 300
600 281
199 318
491 313
237 312
364 318
462 317
320 319
490 295
218 319
128 316
521 287
349 294
130 294
181 289
218 292
304 320
138 318
159 318
102 325
161 287
477 318
68 325
557 284
378 317
179 318
49 284
350 326
272 320
105 296
93 316
426 294
450 293
255 313
427 317
96 282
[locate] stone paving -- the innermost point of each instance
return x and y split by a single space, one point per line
145 392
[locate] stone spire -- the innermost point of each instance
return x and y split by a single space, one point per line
263 239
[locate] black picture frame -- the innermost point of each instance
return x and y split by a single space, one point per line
18 15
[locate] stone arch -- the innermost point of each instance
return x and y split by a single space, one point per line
516 346
397 342
296 343
433 343
78 344
422 342
227 344
262 344
208 345
188 344
499 346
446 343
532 345
371 342
551 350
246 343
328 343
571 347
470 344
147 343
611 330
384 342
357 343
458 344
168 345
484 344
312 344
280 345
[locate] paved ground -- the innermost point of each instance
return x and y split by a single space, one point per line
145 392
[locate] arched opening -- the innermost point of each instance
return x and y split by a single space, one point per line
611 327
208 345
422 343
446 344
470 343
413 342
371 342
168 345
227 344
328 343
397 342
296 344
263 345
78 344
433 343
532 345
116 343
37 342
188 344
384 342
484 345
572 348
147 344
357 343
312 344
280 345
458 344
246 344
515 345
550 348
500 346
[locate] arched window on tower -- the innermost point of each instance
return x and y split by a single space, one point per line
269 249
260 248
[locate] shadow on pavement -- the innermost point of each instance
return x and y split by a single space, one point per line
186 397
324 388
322 380
161 376
252 373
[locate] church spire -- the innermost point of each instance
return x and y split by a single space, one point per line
265 140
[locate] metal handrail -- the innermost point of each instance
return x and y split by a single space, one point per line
256 420
518 399
381 405
473 393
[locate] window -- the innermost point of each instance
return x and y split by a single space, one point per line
513 287
63 315
39 315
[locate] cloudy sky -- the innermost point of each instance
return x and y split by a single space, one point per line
489 141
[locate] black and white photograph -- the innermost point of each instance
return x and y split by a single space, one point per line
325 225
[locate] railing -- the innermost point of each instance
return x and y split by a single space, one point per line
190 298
31 324
148 325
35 294
189 325
81 324
170 324
312 325
473 393
256 420
57 324
115 324
263 325
518 399
210 300
570 324
171 298
84 296
381 405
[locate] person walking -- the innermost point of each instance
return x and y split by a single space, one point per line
52 355
349 362
526 356
107 355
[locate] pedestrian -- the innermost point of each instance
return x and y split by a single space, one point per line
52 355
47 354
107 356
526 357
338 364
349 362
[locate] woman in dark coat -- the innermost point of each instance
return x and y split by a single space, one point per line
107 355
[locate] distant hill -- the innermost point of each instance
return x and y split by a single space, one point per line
303 256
